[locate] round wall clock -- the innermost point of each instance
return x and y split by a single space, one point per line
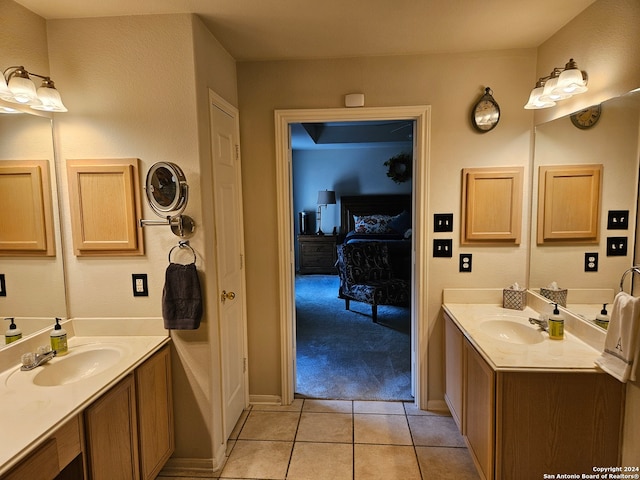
486 113
586 118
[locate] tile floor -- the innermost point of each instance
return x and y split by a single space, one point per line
346 440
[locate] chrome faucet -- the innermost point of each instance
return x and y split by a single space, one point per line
33 360
542 323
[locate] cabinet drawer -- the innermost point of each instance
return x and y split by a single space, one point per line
318 248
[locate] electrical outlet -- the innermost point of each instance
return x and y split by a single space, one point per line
443 247
616 246
465 262
140 288
443 222
618 220
3 286
591 262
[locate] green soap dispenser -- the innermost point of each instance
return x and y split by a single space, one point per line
556 324
13 333
59 339
602 319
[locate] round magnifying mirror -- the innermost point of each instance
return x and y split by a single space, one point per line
166 188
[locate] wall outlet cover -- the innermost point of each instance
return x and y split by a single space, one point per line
616 246
465 262
442 247
443 222
591 262
140 286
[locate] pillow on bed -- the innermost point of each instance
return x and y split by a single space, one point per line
372 223
401 222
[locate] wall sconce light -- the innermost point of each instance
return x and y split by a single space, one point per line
325 197
561 84
16 86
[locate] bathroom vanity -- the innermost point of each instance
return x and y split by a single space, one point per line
102 411
527 405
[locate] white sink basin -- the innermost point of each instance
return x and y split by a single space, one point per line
511 330
76 366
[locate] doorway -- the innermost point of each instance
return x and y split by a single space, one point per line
284 119
344 353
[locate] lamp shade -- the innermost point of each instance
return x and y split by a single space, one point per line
49 98
5 93
570 81
535 102
326 197
22 88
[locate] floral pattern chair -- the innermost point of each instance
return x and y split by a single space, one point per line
366 276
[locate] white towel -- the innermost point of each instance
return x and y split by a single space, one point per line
621 346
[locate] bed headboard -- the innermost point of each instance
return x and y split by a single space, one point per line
370 204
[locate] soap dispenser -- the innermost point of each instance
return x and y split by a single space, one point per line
556 324
602 319
59 339
13 333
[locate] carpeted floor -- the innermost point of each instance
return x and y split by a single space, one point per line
342 354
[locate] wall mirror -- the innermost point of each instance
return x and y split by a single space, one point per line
613 142
28 137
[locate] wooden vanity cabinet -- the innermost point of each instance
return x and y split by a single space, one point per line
523 424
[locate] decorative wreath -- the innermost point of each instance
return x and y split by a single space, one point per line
400 167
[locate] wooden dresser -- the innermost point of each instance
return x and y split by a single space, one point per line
317 254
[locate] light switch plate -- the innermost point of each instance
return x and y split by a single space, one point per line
618 220
3 286
140 287
616 246
443 222
591 262
442 247
465 262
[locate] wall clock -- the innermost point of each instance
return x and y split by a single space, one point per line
486 112
586 118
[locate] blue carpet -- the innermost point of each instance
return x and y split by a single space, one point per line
342 354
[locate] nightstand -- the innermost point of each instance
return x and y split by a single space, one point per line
317 254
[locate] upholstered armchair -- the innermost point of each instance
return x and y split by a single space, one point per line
366 276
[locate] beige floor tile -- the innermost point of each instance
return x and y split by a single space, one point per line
328 406
385 462
435 431
443 463
258 459
390 408
314 461
270 426
295 406
239 424
411 409
325 427
381 429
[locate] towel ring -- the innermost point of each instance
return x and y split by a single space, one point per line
183 244
635 269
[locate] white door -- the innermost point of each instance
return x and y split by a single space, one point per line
227 192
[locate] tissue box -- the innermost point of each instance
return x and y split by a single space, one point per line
556 296
514 299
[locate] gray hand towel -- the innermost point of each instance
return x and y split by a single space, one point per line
181 298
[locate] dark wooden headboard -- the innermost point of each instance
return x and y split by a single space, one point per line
370 204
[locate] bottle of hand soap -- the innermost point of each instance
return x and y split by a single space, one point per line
602 319
59 339
556 324
13 333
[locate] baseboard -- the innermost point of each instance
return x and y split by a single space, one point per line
189 467
265 400
437 406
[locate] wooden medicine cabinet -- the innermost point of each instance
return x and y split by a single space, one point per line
26 211
104 197
492 205
569 203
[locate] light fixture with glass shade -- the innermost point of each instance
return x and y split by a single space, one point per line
561 84
16 86
325 197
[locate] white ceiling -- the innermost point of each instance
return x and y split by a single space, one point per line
296 29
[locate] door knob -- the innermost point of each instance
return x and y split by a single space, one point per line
227 295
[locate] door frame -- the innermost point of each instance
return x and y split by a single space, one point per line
421 114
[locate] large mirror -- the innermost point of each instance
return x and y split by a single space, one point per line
612 142
35 286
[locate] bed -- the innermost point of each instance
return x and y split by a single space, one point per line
380 218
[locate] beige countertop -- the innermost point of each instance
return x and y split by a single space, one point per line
569 354
31 412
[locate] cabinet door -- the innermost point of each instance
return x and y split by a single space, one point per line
479 411
454 370
112 440
155 413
